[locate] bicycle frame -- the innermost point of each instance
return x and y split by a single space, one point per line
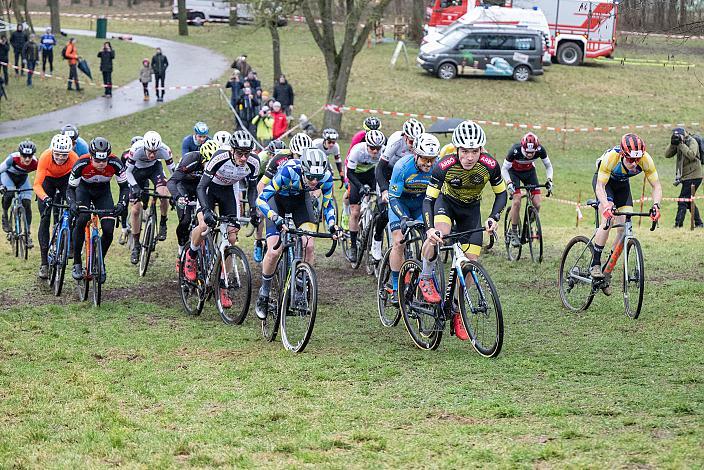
62 228
93 233
217 263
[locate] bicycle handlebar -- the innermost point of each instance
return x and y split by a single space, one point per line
156 195
232 220
14 191
492 237
530 187
98 212
631 214
306 233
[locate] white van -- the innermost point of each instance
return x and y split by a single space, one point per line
200 11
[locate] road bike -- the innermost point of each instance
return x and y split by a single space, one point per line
94 264
220 267
530 231
18 236
369 215
469 289
293 297
59 248
148 237
577 287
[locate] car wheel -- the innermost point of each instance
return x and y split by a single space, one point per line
521 73
198 19
569 53
447 71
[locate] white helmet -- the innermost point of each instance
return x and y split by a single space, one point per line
299 142
61 143
426 146
330 134
468 135
313 163
374 138
222 138
152 141
413 128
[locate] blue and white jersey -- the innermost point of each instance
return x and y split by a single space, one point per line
13 164
48 41
81 147
407 181
288 181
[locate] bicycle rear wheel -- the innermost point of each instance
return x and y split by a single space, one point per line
192 293
389 314
534 234
239 287
298 310
483 320
83 285
422 319
96 265
574 280
513 253
147 245
270 325
60 262
633 278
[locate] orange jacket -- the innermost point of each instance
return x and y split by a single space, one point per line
48 168
72 53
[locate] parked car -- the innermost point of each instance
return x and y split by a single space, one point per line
200 11
503 52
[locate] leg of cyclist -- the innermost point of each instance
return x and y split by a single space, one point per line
136 223
515 211
6 181
163 204
26 197
354 200
56 189
381 222
83 199
268 263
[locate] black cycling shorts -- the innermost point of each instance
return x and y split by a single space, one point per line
143 176
618 192
366 178
529 177
300 207
463 218
224 197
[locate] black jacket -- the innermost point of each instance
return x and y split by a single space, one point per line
106 58
159 64
30 51
17 39
283 93
4 52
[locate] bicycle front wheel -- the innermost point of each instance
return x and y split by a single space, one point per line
534 234
574 280
147 244
60 262
298 308
480 308
97 271
633 278
513 253
239 287
389 313
12 234
192 293
422 319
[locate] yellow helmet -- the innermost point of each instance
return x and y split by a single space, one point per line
208 148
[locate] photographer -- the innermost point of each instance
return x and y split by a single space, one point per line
264 124
688 171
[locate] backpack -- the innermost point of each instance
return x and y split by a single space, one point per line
63 52
700 141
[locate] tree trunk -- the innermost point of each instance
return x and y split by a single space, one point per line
683 12
90 3
109 3
416 32
18 12
55 17
182 18
672 14
233 13
276 49
129 3
162 3
27 17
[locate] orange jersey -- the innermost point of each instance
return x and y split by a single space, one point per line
48 168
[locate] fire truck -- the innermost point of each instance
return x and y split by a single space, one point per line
579 29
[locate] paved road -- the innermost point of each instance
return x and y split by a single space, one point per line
128 100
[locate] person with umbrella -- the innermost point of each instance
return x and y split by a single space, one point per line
72 57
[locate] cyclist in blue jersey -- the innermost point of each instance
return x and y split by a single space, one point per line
80 146
289 193
409 182
192 143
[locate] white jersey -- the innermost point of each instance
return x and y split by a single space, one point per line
225 173
396 148
360 160
333 151
138 156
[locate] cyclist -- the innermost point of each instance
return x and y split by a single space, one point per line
613 190
50 183
361 164
192 143
328 144
124 220
80 146
14 174
272 149
223 177
144 165
409 182
453 196
182 186
289 192
275 151
519 167
90 183
222 137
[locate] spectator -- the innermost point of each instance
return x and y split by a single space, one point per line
688 171
247 108
241 64
48 41
253 80
264 124
4 56
283 93
280 121
30 53
260 98
17 39
236 84
145 76
106 56
159 65
72 56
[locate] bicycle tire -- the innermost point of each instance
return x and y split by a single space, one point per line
534 235
96 270
61 262
384 289
147 244
52 258
293 337
635 278
241 283
83 286
270 324
24 233
426 337
361 246
370 263
192 293
569 269
513 253
474 276
12 235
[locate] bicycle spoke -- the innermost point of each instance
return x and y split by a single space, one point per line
576 291
481 310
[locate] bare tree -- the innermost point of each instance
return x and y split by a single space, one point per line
55 18
182 18
268 14
416 32
233 13
338 61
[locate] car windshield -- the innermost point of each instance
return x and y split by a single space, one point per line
452 38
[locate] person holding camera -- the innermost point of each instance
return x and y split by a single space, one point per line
688 172
264 124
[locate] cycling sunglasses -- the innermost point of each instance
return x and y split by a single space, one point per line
374 148
428 160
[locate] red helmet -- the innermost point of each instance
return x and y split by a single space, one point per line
530 143
632 146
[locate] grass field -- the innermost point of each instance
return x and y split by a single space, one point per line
138 383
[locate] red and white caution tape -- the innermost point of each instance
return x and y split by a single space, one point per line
578 206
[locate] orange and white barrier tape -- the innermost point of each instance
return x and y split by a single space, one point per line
578 206
340 109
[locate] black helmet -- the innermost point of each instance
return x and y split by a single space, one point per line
27 147
71 131
372 123
275 145
100 148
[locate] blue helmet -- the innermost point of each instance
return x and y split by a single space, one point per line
201 128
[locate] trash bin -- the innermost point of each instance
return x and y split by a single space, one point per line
101 28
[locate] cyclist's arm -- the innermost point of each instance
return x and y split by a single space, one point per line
121 178
74 180
382 173
4 166
396 190
252 191
338 164
437 178
600 192
267 193
129 168
202 189
504 171
500 196
39 179
548 164
328 206
352 175
185 145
